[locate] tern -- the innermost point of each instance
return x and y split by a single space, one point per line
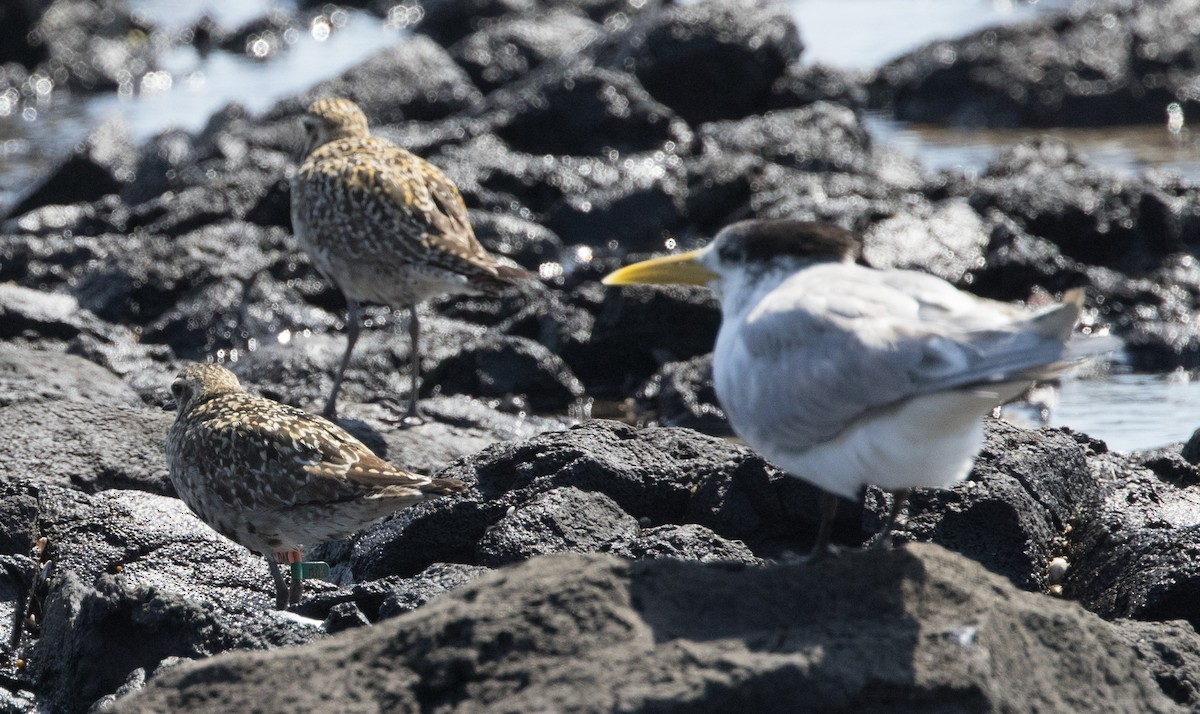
846 375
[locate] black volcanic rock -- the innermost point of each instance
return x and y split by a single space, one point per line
713 59
1093 64
924 629
503 366
109 446
414 80
508 49
99 165
682 394
91 45
1136 555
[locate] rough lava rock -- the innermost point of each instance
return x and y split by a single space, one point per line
1091 64
925 629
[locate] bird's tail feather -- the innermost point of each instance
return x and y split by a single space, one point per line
443 486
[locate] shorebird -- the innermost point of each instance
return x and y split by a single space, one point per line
385 226
275 478
844 375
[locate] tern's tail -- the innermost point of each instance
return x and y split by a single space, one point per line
1058 321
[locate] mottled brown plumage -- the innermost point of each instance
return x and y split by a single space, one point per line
383 224
275 478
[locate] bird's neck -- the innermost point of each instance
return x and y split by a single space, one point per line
739 291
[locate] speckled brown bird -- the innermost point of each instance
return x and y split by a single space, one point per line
275 478
385 225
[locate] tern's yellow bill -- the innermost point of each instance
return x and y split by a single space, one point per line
678 269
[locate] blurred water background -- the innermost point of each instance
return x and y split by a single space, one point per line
1126 410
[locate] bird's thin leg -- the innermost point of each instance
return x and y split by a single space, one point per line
414 365
883 541
828 507
281 587
353 327
296 593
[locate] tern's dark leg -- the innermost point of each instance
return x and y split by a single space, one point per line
281 587
883 541
353 327
821 549
414 360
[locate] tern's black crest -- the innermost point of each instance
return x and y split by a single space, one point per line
762 240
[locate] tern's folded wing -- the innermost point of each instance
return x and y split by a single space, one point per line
826 349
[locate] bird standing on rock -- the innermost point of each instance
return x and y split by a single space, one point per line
275 478
844 375
385 226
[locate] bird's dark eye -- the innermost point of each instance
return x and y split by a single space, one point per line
177 390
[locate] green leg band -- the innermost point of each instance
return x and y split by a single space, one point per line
316 570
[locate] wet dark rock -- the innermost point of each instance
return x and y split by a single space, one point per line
925 629
344 616
639 329
686 542
29 376
1017 263
99 165
299 368
508 49
527 242
414 80
820 137
97 44
557 521
141 277
411 593
31 318
582 110
448 21
503 365
656 476
739 49
77 659
1011 515
582 199
851 200
88 446
141 565
804 84
161 164
1152 314
1171 652
17 20
1101 64
262 38
1092 215
1191 449
948 240
682 394
1136 556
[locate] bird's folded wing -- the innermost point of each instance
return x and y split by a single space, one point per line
411 205
308 461
823 354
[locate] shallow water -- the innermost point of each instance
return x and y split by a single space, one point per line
1127 411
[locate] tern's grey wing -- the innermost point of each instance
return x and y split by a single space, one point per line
835 343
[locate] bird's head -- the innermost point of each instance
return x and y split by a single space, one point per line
332 119
746 248
200 382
